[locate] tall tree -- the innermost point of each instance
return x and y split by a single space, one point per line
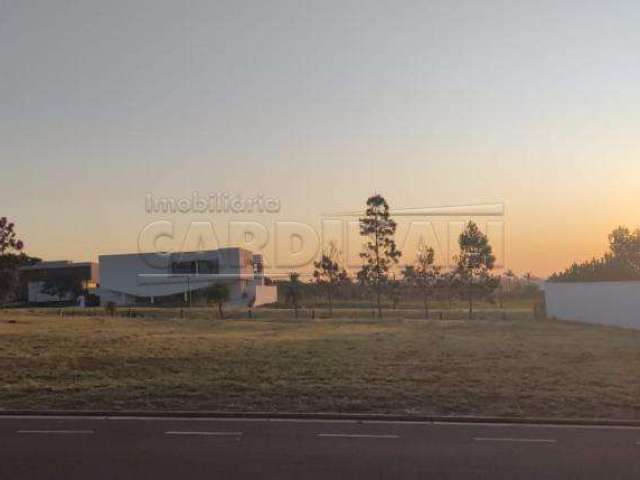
328 274
380 252
474 263
424 275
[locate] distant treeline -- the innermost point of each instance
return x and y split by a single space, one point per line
620 263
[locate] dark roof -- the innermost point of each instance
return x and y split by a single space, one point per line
56 264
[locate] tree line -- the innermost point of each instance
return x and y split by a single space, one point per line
620 263
471 278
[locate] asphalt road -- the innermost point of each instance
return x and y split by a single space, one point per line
145 448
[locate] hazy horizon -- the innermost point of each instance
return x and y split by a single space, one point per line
532 105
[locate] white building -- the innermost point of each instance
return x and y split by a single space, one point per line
147 278
603 303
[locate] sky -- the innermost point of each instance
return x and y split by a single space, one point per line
529 104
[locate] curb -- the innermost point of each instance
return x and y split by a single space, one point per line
363 417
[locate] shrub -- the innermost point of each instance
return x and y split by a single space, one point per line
111 308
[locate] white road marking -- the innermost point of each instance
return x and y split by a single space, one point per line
503 439
354 435
52 417
210 434
223 419
64 432
525 425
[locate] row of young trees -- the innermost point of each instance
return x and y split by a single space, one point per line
471 275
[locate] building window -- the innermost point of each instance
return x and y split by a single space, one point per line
207 267
204 267
183 267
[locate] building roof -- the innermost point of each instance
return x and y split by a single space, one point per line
57 264
184 254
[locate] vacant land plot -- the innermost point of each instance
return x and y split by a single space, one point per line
516 367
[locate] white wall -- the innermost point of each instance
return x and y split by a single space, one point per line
264 294
605 303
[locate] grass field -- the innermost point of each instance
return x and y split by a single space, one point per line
517 366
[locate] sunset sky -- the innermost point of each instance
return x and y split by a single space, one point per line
530 104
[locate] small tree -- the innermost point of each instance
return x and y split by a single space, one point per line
380 250
250 304
9 278
505 286
360 284
394 291
624 245
424 275
8 238
293 292
510 278
218 294
329 274
11 259
346 288
449 286
110 308
475 263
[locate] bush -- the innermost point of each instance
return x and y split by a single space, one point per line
111 308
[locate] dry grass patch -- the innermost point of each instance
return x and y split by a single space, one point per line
515 367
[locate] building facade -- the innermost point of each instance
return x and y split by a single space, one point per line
59 281
152 278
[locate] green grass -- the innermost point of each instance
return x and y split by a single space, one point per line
517 366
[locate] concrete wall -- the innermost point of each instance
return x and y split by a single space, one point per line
264 294
604 303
